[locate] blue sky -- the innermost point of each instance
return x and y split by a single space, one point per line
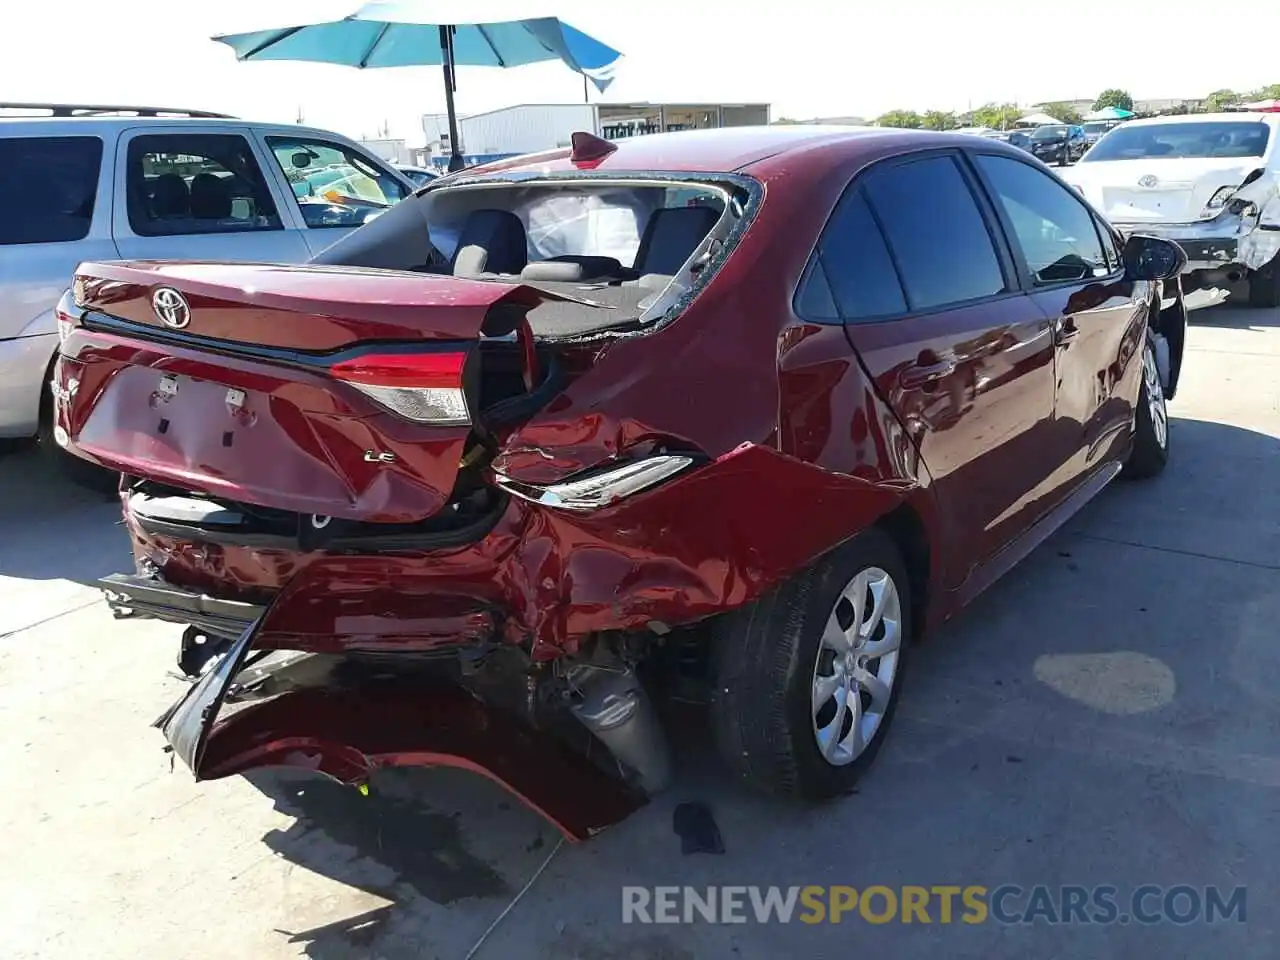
806 57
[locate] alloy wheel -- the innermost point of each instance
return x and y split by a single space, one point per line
1155 397
856 666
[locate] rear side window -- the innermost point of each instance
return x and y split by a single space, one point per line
181 184
853 266
935 232
50 186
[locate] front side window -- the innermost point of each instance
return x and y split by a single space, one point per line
1056 232
51 184
1228 139
335 185
935 231
182 184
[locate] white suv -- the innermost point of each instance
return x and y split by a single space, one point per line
105 183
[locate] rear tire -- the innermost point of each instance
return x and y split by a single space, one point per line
785 669
1150 451
1264 286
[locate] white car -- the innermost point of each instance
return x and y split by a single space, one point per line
1211 182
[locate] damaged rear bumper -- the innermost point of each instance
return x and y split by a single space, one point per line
544 578
152 598
346 727
1228 240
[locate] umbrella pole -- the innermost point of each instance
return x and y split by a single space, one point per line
446 58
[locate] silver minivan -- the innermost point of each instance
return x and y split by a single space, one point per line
104 183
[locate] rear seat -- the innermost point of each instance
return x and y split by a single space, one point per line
669 239
492 242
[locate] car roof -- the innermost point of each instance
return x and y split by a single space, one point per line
1233 117
11 126
718 150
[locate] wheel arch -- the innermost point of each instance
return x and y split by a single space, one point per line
907 529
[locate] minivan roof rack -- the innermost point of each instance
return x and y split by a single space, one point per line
97 110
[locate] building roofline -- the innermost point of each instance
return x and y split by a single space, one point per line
616 103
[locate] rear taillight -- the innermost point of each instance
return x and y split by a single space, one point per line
601 488
422 387
67 314
1219 199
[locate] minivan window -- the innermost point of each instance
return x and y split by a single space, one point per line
182 184
1182 141
855 264
1056 232
51 184
935 231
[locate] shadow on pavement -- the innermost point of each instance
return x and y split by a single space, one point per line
53 529
1236 314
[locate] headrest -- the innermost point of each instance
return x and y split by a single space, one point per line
210 197
572 269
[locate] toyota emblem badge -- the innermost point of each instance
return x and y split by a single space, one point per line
171 307
1148 181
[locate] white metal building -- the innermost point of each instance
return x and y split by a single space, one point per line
393 151
531 127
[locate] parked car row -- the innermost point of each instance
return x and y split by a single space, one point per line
449 478
1058 144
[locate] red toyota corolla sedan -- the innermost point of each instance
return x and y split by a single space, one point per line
739 411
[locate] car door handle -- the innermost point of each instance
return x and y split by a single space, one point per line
920 374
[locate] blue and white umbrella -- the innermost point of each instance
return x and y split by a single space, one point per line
407 33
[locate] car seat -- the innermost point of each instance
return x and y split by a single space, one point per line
210 197
669 240
491 242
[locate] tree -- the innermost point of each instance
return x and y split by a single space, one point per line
1113 98
907 119
1219 100
938 120
1270 92
996 116
1063 111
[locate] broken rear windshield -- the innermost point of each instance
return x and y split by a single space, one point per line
1182 140
637 247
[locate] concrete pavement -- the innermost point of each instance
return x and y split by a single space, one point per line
1108 714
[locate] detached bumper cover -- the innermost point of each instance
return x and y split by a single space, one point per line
346 731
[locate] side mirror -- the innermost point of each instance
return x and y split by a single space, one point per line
300 160
1152 258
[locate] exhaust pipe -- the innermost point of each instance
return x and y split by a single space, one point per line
1220 276
609 701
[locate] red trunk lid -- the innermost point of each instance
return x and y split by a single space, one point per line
308 308
321 390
